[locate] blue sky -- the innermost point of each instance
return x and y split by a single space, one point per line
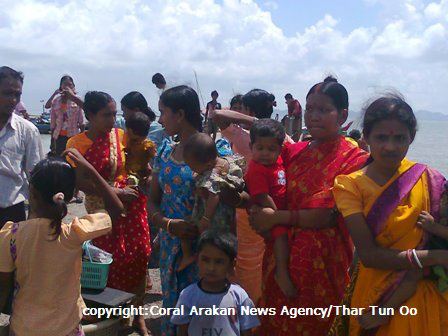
295 15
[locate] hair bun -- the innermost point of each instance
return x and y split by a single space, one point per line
330 79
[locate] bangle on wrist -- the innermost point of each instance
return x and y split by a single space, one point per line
168 226
206 218
409 257
417 260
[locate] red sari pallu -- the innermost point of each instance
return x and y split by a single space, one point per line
129 238
319 259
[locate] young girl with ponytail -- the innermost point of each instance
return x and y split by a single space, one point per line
45 253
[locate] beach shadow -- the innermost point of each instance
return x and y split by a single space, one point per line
151 298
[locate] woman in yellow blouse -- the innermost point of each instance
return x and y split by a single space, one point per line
386 207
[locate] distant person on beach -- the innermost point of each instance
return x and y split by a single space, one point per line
66 115
20 110
392 209
159 81
45 254
216 261
20 149
211 106
293 124
294 107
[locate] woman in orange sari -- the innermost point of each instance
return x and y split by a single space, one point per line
389 208
102 146
320 250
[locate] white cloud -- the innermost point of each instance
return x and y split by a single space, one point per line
233 46
271 5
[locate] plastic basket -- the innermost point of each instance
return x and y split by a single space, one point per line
94 274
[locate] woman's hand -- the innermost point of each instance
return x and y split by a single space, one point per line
183 229
68 93
82 167
426 222
261 219
127 194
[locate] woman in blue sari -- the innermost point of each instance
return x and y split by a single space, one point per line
172 187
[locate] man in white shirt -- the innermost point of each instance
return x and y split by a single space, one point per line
20 149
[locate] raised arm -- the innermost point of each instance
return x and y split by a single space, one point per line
223 118
84 169
50 100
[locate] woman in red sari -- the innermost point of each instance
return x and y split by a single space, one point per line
320 249
102 146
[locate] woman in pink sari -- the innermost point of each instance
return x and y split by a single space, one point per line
102 146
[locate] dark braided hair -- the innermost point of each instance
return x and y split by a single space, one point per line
49 177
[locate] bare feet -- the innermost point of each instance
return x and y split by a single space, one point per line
185 262
284 282
369 321
140 325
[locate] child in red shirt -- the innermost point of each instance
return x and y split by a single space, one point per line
266 181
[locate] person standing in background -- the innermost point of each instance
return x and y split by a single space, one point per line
211 106
159 81
66 114
20 149
20 110
293 124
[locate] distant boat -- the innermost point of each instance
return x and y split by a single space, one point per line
42 123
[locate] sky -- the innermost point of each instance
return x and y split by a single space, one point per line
371 46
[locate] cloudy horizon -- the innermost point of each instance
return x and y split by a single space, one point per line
371 46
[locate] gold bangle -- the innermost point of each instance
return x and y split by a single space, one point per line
168 226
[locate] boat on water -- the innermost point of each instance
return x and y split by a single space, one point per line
42 122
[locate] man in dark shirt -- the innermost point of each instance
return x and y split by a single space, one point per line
211 106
